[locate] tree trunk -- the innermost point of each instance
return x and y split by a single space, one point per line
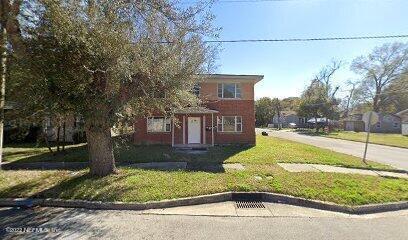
376 101
101 158
63 135
3 85
47 143
58 137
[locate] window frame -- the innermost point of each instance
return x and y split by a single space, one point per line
164 127
236 92
220 122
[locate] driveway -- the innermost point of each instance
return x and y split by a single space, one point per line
286 223
396 157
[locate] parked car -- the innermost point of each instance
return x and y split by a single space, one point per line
292 125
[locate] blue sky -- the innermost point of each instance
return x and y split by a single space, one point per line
289 66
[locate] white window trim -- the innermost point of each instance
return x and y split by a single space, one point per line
235 91
235 124
165 118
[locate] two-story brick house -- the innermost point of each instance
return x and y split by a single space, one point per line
226 117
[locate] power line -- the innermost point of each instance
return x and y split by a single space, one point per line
306 39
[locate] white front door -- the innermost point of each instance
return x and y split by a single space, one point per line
194 130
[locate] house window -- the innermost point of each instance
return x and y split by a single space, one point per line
396 125
158 124
196 89
378 125
229 90
229 124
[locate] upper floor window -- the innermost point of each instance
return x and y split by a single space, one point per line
229 90
158 124
196 89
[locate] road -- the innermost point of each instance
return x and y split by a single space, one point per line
114 224
396 157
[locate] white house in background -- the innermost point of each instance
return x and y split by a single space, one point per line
404 121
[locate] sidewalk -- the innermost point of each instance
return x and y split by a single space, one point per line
301 167
393 156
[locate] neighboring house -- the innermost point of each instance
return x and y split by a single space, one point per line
74 130
387 123
354 123
404 121
226 117
287 117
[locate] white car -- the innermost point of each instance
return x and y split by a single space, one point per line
292 125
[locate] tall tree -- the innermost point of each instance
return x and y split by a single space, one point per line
348 102
263 111
10 36
318 99
314 102
395 97
290 103
381 68
277 108
113 59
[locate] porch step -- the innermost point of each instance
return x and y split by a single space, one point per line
191 149
198 147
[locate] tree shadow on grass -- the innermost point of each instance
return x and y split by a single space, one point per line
77 157
31 155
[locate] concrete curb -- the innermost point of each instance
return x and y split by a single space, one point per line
212 198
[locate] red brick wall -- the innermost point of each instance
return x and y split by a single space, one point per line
243 108
141 136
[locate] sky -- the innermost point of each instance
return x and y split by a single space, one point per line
289 66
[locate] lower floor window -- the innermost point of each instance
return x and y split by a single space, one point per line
229 124
158 124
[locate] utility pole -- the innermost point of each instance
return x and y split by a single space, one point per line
368 137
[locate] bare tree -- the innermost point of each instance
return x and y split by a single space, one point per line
383 66
348 103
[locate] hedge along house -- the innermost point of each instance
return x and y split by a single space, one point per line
226 116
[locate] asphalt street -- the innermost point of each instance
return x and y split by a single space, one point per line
192 223
394 156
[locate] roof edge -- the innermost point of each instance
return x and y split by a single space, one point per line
244 77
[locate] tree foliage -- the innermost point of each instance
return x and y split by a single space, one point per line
318 99
381 72
263 111
112 60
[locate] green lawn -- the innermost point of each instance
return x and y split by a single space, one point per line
268 150
133 185
136 185
389 139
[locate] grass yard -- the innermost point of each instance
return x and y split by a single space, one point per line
268 150
137 185
389 139
134 185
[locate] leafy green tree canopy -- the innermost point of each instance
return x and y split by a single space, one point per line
110 60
